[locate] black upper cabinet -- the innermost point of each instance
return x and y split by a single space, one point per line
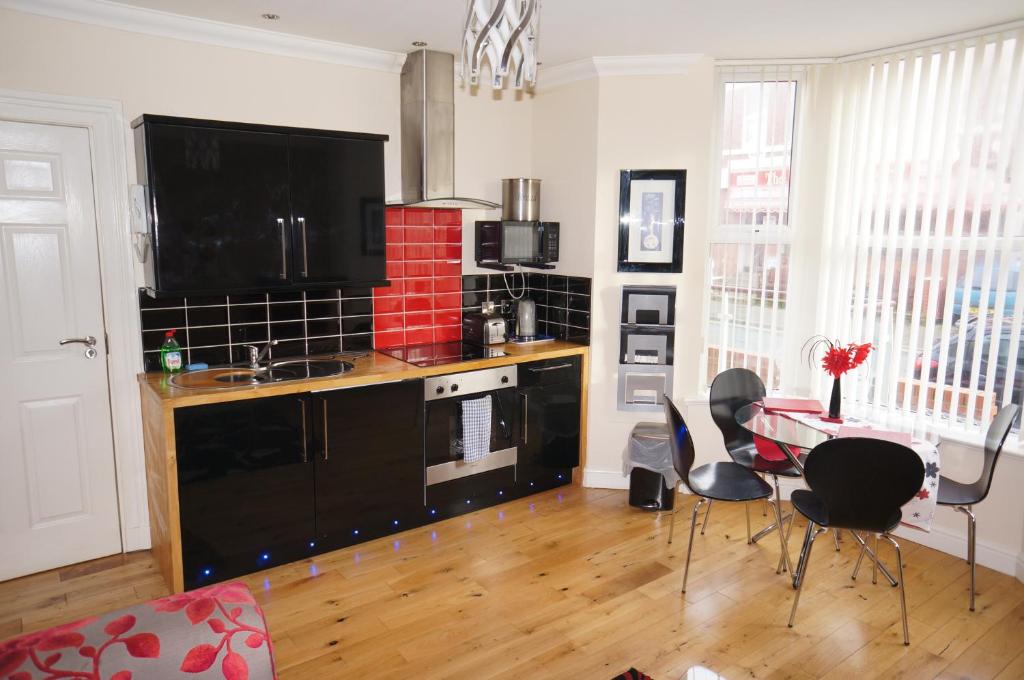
337 189
220 212
237 207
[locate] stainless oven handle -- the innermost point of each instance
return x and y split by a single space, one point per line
549 368
524 414
305 438
324 401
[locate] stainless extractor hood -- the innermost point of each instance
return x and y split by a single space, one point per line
428 133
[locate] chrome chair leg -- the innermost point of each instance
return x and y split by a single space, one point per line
689 548
971 544
672 524
746 510
860 558
835 537
707 514
903 594
874 558
874 564
784 559
805 558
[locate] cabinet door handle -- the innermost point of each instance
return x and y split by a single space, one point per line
305 437
524 415
284 249
545 369
324 402
305 249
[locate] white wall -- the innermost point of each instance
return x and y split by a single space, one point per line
565 146
646 122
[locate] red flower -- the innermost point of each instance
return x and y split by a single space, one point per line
839 359
860 353
836 361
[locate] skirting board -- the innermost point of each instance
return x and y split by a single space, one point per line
940 539
604 479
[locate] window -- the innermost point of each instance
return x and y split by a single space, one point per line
923 240
749 257
919 245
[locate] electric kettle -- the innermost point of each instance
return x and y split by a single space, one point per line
526 318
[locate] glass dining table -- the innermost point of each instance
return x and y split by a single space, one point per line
793 436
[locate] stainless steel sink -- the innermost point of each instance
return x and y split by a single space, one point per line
311 368
277 371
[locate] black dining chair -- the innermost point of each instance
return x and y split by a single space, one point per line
719 481
962 497
858 484
731 390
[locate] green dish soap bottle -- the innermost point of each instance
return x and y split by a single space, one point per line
170 354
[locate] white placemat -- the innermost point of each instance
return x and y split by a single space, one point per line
917 513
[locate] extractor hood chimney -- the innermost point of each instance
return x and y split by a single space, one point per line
428 133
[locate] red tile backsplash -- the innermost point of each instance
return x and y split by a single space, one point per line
424 265
418 235
421 217
419 269
422 336
445 218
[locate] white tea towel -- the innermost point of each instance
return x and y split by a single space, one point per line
476 428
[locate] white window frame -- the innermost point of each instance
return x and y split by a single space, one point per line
752 235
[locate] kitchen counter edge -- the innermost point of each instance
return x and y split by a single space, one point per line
372 369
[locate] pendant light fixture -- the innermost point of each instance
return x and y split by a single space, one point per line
502 35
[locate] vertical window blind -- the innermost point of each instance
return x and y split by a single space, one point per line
923 242
750 238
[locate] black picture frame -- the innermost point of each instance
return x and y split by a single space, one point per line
628 222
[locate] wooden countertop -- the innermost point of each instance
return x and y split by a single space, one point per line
373 368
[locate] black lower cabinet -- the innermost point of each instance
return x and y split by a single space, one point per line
245 487
273 480
369 472
550 431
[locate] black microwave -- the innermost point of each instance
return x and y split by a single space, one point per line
513 242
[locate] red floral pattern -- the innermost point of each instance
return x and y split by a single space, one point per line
76 650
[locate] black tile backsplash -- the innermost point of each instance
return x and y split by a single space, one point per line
213 329
563 302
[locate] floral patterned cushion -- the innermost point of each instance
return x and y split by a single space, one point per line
214 632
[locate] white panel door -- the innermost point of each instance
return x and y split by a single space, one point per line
58 495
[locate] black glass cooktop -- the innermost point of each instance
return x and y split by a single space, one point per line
441 353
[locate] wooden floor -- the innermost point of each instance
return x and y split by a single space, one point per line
574 584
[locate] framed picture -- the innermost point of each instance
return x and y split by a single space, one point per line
651 220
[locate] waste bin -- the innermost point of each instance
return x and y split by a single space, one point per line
648 462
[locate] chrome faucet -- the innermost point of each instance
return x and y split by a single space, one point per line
256 355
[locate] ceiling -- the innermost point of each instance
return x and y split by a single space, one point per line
574 29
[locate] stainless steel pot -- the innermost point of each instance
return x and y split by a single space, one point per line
520 199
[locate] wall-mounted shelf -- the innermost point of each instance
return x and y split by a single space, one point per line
646 347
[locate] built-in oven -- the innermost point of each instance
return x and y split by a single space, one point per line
447 405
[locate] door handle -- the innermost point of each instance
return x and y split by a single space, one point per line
90 345
305 438
324 402
305 249
524 415
88 341
284 249
545 369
